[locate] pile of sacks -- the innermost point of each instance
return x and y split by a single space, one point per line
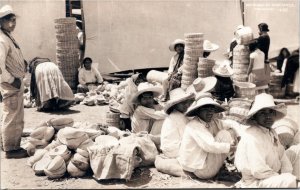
59 146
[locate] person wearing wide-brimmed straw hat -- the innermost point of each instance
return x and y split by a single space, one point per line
175 68
224 87
13 69
127 107
172 131
209 47
88 76
207 140
147 112
260 157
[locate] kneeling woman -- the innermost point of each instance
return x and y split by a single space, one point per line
48 87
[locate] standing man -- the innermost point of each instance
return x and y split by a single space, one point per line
11 85
264 40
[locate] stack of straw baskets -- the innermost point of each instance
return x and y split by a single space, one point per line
275 85
193 50
238 108
67 49
241 54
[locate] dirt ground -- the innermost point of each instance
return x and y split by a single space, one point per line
15 174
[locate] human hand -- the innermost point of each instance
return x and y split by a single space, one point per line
16 83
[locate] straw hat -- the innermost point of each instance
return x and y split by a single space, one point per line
71 137
38 155
74 171
177 96
61 150
201 85
174 43
263 101
43 132
204 99
146 87
80 162
209 47
223 69
6 10
40 165
56 168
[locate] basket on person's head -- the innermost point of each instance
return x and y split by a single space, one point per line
245 89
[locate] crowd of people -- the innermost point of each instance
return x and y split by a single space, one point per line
188 126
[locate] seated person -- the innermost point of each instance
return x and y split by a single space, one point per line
207 140
282 58
260 157
127 107
175 68
172 131
224 87
209 47
148 116
88 76
48 87
291 69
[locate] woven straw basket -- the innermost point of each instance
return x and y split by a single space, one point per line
245 89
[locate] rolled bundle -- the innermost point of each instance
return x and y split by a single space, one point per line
80 162
71 137
74 171
286 129
156 76
39 166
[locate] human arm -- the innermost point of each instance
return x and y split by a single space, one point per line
250 67
81 76
206 141
98 75
171 65
5 75
149 113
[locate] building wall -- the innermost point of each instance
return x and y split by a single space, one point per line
35 31
133 34
282 18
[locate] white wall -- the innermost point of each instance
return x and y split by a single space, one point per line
128 34
35 31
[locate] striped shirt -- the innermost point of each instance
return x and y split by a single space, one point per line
11 59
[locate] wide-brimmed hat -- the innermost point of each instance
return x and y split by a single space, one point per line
56 168
209 46
80 162
146 87
74 171
263 27
6 10
177 95
43 133
174 43
61 150
204 99
201 85
223 69
263 101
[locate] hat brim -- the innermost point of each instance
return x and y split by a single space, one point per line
172 103
192 109
173 44
213 48
221 74
210 83
156 92
280 111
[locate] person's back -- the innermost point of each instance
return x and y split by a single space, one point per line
292 66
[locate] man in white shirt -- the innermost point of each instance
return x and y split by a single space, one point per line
88 75
206 141
12 70
260 157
